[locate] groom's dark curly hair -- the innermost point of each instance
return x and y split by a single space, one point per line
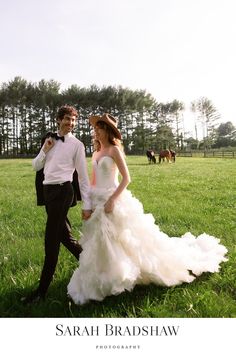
66 109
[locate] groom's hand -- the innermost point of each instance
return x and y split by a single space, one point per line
49 142
86 214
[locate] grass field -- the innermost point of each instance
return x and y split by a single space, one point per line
194 194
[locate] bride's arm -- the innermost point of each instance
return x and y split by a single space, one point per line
92 179
119 159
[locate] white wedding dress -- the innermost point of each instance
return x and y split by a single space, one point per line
125 247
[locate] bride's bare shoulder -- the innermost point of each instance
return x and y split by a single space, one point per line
116 152
94 155
114 149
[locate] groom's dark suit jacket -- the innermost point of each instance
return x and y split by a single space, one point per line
39 183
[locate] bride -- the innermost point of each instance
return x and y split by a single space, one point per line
121 244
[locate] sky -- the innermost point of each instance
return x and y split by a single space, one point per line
173 49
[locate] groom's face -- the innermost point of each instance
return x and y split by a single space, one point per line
67 124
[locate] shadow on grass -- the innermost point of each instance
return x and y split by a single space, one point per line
57 304
138 303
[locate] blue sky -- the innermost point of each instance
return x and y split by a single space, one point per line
174 49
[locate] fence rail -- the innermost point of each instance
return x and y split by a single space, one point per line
193 153
224 154
219 154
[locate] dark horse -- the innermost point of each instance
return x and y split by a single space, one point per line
169 155
173 155
151 156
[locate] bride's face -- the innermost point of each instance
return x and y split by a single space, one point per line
100 132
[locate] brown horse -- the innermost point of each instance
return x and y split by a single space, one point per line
169 155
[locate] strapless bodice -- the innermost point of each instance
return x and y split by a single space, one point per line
106 172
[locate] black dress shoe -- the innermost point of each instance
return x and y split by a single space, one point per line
34 298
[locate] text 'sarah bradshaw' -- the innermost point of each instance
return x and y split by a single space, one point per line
112 330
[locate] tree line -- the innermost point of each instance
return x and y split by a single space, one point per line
28 110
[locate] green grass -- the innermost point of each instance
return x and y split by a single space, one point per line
194 194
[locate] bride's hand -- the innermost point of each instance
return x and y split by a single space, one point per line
86 214
109 205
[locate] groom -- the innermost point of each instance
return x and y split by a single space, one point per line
61 158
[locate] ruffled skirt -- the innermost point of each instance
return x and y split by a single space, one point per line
125 248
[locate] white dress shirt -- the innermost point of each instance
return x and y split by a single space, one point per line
60 162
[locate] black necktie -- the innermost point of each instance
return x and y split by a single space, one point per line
55 136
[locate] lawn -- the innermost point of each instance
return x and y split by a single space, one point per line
194 194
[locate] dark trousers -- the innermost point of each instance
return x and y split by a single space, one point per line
58 199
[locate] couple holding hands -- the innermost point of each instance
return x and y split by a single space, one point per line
120 246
